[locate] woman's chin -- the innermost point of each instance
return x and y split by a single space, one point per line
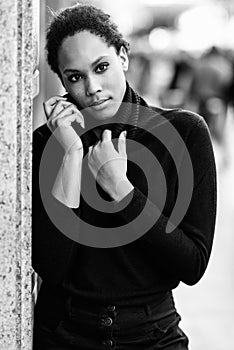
106 113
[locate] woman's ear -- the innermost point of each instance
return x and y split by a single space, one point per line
123 58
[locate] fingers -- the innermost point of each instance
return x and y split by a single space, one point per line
53 100
57 104
60 107
90 151
49 104
69 110
65 116
65 113
62 122
122 143
106 135
80 119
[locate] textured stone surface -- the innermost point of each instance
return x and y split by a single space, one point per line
16 62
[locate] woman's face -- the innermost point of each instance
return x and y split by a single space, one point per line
93 73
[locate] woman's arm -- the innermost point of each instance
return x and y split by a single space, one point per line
66 188
60 114
50 246
185 251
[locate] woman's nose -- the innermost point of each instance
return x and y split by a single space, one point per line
93 85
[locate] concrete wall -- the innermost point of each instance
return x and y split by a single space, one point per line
17 64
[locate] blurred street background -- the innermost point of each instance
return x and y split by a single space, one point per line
182 55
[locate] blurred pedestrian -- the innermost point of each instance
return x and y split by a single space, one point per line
210 90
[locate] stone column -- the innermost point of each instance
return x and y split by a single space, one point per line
17 63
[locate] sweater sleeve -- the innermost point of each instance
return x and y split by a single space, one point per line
50 247
186 250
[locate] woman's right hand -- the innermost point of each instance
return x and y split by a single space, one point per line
60 114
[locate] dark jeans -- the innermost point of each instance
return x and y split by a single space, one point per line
89 327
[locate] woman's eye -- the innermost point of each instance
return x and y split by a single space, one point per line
102 67
74 78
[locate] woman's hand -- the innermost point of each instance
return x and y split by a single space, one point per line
109 167
60 114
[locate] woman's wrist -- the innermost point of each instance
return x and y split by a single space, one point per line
66 188
122 189
74 153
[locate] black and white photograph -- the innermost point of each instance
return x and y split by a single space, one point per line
117 164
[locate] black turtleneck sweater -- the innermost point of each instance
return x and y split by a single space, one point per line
144 270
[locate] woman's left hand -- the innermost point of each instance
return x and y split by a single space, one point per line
109 167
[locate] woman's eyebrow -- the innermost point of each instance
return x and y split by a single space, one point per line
98 60
70 70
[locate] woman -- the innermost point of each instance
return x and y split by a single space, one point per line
116 291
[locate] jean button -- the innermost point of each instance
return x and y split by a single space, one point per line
108 321
108 342
111 308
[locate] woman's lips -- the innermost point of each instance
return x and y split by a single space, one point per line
99 104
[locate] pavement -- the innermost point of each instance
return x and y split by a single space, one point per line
207 309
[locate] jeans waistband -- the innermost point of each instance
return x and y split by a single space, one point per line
159 310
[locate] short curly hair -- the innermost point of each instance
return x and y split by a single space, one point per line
76 19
